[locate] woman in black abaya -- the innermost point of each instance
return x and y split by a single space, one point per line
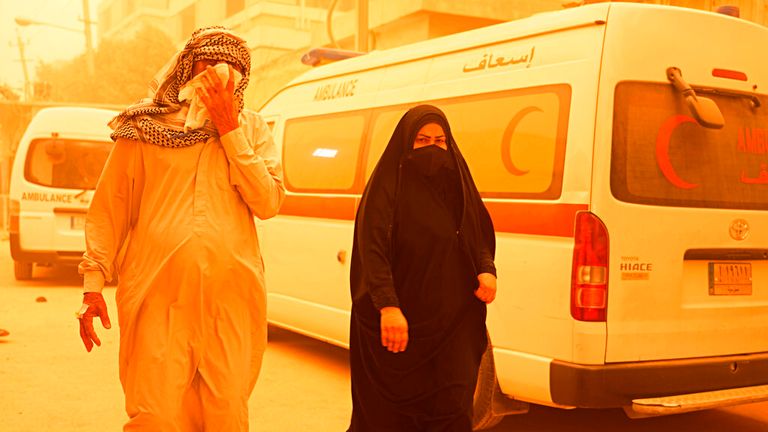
422 273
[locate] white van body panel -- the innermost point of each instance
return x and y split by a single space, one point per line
556 82
301 302
671 315
51 219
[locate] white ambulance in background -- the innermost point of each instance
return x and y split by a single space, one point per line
55 170
622 151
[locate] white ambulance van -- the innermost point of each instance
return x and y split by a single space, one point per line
55 170
622 151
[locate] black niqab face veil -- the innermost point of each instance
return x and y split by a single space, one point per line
375 221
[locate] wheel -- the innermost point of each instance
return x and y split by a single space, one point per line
482 409
22 270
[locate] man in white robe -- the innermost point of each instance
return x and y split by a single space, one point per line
173 216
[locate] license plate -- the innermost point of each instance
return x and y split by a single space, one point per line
77 223
730 278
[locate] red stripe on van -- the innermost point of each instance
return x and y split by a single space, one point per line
508 217
324 207
534 218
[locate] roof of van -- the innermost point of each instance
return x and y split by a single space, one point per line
541 23
71 121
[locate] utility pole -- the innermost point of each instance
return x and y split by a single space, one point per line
361 36
88 40
20 43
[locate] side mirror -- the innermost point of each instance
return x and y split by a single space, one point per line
704 110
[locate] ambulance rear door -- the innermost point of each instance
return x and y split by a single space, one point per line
684 205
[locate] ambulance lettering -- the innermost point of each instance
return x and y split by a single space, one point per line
336 90
754 141
47 197
490 61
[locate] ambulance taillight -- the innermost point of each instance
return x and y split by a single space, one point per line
14 208
589 273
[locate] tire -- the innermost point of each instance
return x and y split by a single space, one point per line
487 385
22 270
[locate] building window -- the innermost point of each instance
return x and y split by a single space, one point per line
235 6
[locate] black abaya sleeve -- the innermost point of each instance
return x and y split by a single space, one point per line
485 263
378 270
372 269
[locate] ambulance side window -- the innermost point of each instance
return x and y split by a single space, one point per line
320 154
513 141
382 126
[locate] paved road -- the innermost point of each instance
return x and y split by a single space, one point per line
49 383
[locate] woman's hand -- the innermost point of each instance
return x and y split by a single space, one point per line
394 329
486 290
219 99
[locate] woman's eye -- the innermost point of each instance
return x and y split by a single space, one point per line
427 141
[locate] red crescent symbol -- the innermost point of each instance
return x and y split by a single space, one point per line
662 150
506 141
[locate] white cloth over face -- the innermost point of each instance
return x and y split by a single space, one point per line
198 113
154 119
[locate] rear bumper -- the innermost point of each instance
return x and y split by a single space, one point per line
52 257
617 385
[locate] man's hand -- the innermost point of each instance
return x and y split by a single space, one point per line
219 99
394 329
486 290
93 305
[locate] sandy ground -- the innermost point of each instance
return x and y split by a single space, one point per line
48 382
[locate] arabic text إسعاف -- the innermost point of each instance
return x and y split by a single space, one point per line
762 176
490 61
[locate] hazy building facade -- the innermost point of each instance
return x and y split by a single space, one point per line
279 32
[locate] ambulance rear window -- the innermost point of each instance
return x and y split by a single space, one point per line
661 156
66 163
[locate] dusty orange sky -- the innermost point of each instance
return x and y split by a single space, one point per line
42 43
